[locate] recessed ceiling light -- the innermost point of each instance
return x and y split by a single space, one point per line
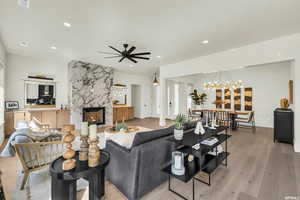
130 65
23 44
53 47
205 41
158 56
24 3
66 24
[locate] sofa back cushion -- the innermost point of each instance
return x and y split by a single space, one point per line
143 137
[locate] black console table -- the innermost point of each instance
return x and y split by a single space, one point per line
202 160
63 183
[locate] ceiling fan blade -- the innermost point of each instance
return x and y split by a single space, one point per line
115 49
132 59
103 52
140 54
122 59
140 57
113 56
131 50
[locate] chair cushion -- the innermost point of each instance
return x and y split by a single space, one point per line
242 120
19 136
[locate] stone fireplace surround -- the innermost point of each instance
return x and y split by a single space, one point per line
89 86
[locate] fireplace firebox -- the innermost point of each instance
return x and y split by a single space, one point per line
94 115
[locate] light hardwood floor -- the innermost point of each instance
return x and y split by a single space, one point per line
257 169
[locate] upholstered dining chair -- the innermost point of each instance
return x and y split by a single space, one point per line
247 122
192 116
38 155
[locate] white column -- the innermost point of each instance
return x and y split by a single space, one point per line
163 101
296 70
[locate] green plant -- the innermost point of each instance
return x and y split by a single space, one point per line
199 99
121 126
179 121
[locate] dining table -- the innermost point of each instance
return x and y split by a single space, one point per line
233 115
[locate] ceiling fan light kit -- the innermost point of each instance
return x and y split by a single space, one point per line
126 53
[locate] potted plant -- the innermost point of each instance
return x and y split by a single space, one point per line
179 122
199 99
121 127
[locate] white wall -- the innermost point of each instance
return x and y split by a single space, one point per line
2 52
146 89
269 83
296 69
19 67
2 85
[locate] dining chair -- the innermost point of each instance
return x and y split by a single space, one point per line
192 116
247 122
209 113
223 118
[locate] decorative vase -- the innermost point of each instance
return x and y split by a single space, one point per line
69 154
178 134
284 103
84 148
178 163
94 153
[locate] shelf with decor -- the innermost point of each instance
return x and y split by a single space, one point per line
206 159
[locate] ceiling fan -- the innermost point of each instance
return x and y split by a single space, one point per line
126 53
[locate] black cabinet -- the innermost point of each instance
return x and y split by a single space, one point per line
284 125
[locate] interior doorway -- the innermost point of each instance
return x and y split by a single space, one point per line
136 100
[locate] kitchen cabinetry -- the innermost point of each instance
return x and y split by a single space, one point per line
55 118
123 112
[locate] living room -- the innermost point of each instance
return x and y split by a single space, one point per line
125 96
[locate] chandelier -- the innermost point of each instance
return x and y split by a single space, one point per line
119 90
223 85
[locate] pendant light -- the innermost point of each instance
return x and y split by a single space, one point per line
155 81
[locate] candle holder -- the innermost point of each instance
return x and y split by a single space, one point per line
69 154
84 148
94 152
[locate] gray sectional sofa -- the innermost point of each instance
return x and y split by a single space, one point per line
137 171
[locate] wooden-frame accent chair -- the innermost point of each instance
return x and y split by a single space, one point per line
247 122
37 155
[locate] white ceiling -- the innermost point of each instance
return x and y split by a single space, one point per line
173 29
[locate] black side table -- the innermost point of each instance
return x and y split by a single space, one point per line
63 183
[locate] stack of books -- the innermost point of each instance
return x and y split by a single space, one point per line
210 141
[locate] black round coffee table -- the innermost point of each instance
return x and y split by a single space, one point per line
63 183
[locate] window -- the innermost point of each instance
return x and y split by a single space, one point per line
189 98
176 99
157 99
